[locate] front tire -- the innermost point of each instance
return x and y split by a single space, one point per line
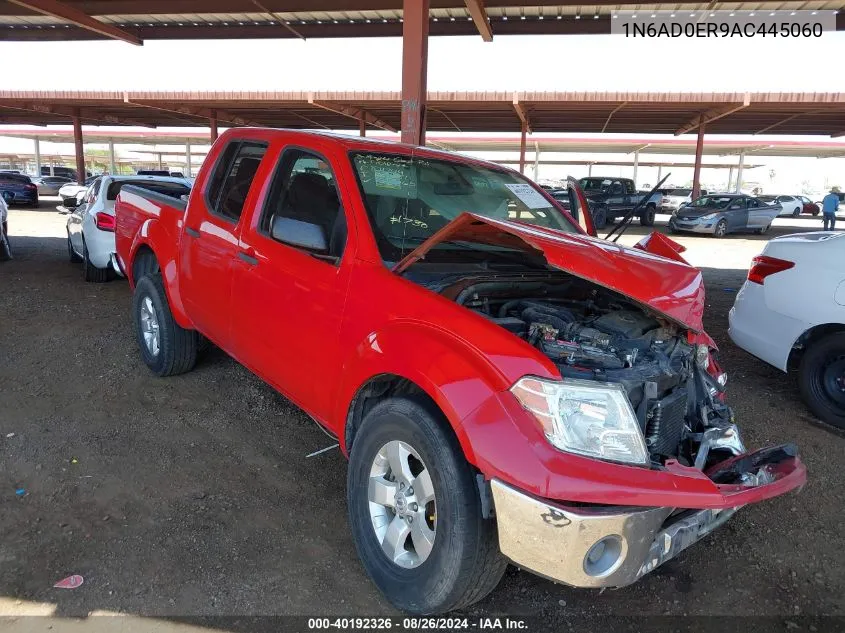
721 229
647 215
446 556
166 348
821 379
89 271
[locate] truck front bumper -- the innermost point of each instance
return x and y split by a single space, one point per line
613 546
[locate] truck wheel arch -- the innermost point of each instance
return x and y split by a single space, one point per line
401 363
144 260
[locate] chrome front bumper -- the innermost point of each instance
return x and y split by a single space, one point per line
594 546
696 225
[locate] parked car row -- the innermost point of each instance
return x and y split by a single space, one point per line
792 206
483 360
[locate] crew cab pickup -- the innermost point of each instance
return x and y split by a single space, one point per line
612 198
504 385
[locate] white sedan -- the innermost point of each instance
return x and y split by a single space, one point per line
791 313
91 223
791 205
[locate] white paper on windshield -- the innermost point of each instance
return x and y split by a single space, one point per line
387 178
529 196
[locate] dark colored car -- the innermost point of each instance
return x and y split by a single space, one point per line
65 172
23 190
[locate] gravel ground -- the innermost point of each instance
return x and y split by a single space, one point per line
193 495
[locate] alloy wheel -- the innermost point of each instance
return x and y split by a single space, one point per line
402 504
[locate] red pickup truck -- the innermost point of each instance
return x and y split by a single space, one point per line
505 386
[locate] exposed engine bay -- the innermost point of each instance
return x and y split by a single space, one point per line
592 333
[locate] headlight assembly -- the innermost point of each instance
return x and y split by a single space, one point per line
585 417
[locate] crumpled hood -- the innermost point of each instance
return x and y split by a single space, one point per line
673 289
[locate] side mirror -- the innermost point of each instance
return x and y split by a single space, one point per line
70 203
298 233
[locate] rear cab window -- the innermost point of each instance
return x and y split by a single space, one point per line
232 178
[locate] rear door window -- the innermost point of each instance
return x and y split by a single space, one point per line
232 178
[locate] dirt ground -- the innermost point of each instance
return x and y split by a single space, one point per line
193 495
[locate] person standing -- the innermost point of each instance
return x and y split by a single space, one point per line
830 204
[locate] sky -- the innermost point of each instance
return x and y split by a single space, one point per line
510 63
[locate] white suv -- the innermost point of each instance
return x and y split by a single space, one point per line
791 311
91 224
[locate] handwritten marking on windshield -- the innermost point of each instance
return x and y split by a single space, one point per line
395 219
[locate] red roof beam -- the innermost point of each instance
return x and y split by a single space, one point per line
80 19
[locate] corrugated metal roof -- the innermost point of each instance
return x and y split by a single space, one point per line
159 19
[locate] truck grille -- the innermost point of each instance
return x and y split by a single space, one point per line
665 423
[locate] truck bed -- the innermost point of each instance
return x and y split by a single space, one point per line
141 211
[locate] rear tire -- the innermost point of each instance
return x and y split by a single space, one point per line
820 380
461 562
175 348
796 213
764 230
71 254
647 215
89 271
599 218
721 229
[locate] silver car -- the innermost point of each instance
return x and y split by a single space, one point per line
50 185
721 213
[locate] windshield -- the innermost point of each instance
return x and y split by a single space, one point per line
409 198
595 185
680 192
716 202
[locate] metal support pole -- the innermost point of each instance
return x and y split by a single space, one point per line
536 166
522 148
160 165
590 169
37 156
78 147
414 70
112 162
699 149
212 123
659 172
362 127
730 178
188 159
636 164
739 171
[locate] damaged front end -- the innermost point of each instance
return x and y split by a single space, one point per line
614 546
640 395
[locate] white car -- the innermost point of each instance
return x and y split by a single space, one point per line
91 223
791 205
674 199
791 312
72 190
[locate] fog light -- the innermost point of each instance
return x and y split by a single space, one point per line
604 557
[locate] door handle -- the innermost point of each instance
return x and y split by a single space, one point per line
248 258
